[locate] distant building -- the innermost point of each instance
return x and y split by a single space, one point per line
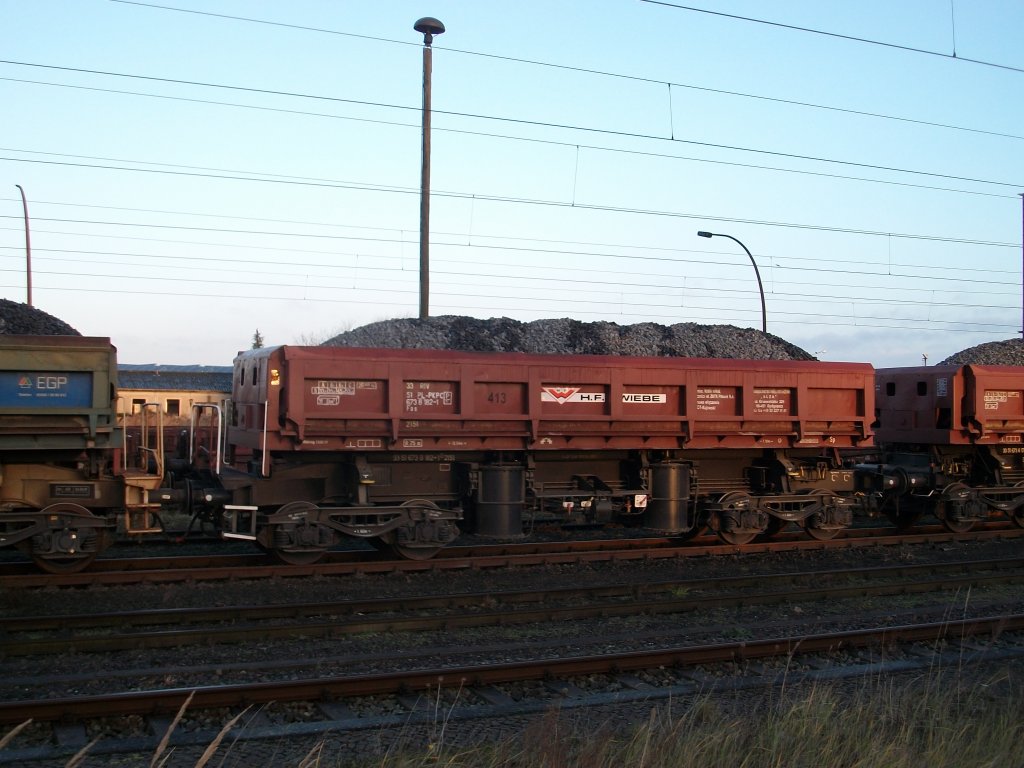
174 388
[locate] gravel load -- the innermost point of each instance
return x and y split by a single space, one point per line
571 337
1009 352
22 320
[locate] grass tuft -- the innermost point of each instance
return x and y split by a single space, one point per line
938 720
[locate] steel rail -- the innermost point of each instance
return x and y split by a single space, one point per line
508 558
316 689
235 623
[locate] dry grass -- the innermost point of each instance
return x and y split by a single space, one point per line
936 721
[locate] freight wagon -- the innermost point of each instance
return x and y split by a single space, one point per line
951 440
65 479
401 447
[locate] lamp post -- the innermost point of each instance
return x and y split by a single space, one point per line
760 287
1022 264
28 247
429 27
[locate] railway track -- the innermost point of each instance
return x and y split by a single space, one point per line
216 567
151 629
463 642
489 690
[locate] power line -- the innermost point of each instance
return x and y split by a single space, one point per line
541 124
524 201
392 289
561 244
862 269
547 277
587 70
610 287
488 134
851 38
958 276
674 258
462 306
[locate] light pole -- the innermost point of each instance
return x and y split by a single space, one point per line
760 287
1022 264
28 247
429 27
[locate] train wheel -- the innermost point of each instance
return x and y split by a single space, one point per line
420 539
741 502
823 526
736 538
821 534
71 542
295 539
408 551
415 553
61 565
955 497
1017 515
958 526
298 556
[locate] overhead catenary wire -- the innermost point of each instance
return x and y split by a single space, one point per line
546 124
560 243
647 211
799 318
840 36
559 204
591 70
540 284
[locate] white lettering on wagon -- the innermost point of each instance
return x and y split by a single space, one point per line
364 442
414 400
996 397
771 400
340 387
562 395
51 382
643 397
711 398
329 387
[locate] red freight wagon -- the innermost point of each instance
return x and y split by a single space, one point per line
951 405
349 399
399 445
951 440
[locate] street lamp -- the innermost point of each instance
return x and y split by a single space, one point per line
760 287
429 27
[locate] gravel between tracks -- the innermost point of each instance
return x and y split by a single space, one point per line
172 668
485 644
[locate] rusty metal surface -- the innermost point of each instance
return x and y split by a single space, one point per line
344 399
951 405
498 556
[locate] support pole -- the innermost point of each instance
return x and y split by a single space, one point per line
429 27
28 248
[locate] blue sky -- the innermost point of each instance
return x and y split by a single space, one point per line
196 171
